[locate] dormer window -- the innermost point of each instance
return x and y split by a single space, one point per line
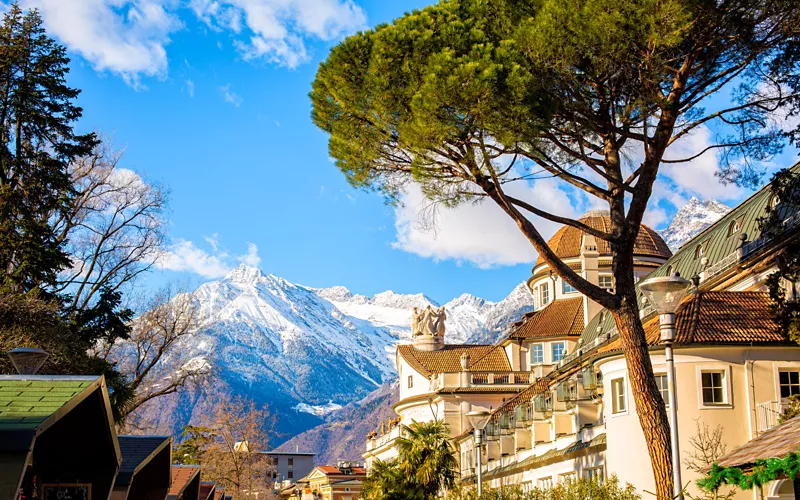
669 271
566 287
734 227
699 251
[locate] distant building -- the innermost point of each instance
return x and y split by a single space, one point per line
290 466
328 482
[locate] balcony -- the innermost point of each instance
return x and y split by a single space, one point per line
380 441
467 379
767 415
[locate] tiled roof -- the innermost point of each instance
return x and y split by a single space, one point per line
182 475
26 402
566 243
560 318
137 451
483 358
718 318
330 469
774 443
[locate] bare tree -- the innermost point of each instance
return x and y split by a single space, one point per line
232 453
113 231
708 446
146 358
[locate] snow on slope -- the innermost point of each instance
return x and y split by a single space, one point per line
307 352
691 219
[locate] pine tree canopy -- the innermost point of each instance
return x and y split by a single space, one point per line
37 142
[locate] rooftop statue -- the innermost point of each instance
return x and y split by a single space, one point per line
428 321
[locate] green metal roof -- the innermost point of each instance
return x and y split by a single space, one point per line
719 245
26 402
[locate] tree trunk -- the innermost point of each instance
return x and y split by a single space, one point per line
649 404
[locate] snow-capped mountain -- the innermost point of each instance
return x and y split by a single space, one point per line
307 352
691 219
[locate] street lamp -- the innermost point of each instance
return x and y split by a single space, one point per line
478 419
665 293
27 360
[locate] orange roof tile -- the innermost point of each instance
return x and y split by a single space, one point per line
718 318
483 358
560 318
330 469
567 241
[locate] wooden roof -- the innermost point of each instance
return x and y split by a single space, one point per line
182 476
567 241
28 401
483 358
774 443
560 318
137 451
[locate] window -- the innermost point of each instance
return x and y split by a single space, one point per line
699 251
527 486
663 387
618 400
734 228
291 462
558 351
290 475
566 477
566 287
544 293
537 354
546 483
410 381
669 271
606 282
595 473
789 382
774 201
713 384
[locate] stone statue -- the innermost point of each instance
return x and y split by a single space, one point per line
383 428
428 321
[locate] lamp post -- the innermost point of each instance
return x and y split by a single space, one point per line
27 360
478 419
665 293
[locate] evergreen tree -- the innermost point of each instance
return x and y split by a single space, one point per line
37 143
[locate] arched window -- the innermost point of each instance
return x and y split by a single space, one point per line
669 270
733 228
699 251
774 201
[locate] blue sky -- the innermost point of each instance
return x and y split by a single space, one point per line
209 98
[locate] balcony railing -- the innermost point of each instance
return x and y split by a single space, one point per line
767 414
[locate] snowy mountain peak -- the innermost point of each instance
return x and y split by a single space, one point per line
691 219
335 293
407 301
467 300
245 274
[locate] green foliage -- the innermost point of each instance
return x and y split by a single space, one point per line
37 142
580 489
762 473
791 410
425 465
785 187
194 440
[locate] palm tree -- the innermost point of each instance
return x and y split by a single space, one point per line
426 457
386 482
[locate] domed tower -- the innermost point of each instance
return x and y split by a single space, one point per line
591 258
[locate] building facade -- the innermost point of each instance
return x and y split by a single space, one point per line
575 415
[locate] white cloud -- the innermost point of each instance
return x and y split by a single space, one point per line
276 30
698 176
481 233
190 88
125 37
130 37
185 256
230 96
251 258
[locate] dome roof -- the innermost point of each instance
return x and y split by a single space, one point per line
566 243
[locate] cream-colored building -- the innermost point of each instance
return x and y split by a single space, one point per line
575 416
